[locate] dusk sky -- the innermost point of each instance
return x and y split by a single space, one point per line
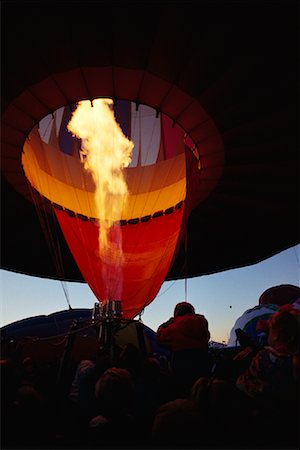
221 297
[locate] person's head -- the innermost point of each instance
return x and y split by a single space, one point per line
178 423
284 330
151 370
218 399
183 308
29 368
114 391
210 393
130 359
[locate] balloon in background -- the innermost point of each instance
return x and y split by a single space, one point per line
270 301
248 321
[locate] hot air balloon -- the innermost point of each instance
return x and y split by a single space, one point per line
226 149
150 223
43 337
280 295
247 322
270 301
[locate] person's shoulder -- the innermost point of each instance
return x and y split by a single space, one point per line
166 324
98 422
85 368
200 317
192 319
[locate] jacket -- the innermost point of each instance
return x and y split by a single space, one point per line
184 332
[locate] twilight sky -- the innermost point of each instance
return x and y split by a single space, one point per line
221 297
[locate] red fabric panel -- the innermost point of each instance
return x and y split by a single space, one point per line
41 92
71 85
11 135
19 119
280 295
28 103
99 81
153 90
127 83
147 248
173 138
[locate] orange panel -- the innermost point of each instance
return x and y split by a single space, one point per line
148 250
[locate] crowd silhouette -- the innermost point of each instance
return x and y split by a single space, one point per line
247 397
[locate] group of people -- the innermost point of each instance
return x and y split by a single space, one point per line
265 379
196 399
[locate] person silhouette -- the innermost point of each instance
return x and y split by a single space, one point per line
187 335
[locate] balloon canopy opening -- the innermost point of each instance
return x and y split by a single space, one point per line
142 233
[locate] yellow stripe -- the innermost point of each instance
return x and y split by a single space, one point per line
81 201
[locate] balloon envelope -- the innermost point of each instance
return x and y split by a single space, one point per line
41 337
248 321
215 73
143 240
280 295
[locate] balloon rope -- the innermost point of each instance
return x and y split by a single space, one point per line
185 238
59 259
53 245
296 255
185 263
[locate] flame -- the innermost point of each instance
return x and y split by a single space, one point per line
105 153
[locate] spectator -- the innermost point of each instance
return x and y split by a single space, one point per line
114 424
153 388
272 379
275 367
81 405
130 359
30 424
186 335
222 405
178 424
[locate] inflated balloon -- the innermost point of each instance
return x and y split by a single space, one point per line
247 322
149 223
213 181
280 295
41 337
270 301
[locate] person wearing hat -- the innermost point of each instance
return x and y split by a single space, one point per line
187 335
